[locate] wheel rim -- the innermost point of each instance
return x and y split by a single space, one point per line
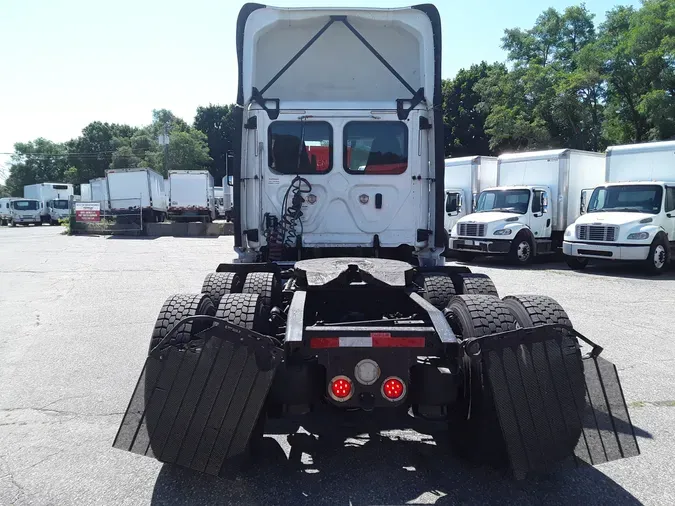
659 256
524 251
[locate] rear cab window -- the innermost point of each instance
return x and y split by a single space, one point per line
300 147
375 147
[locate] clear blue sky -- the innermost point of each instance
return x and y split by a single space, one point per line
66 63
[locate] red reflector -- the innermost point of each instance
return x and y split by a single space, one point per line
384 340
393 389
325 342
341 388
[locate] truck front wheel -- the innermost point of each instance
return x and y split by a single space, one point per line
522 250
658 257
576 263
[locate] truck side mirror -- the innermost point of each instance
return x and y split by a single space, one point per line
544 203
583 202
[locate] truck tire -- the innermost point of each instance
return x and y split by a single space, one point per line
217 284
474 427
438 289
245 310
561 360
576 263
266 285
175 309
475 284
12 223
659 256
522 250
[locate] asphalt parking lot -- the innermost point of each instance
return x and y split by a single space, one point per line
76 315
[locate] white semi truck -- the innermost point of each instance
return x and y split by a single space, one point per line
538 195
16 211
465 178
191 196
632 216
45 193
137 191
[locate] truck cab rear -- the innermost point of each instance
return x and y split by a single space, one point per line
339 301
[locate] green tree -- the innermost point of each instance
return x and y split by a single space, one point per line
464 121
217 122
36 162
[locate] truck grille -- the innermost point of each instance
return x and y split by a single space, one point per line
596 233
472 230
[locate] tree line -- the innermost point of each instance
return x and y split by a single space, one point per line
566 83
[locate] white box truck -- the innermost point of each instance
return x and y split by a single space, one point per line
538 195
632 216
46 193
191 196
85 192
17 211
99 192
465 178
137 191
223 196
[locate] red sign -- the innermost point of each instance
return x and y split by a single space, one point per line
87 211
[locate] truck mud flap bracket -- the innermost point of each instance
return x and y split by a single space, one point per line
555 406
196 405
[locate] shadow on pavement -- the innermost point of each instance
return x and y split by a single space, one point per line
377 469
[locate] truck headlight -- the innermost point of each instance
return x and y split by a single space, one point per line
503 231
568 232
638 236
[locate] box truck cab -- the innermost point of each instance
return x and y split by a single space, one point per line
15 211
340 157
539 194
58 209
465 177
632 217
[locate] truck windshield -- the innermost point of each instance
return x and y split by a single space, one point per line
25 205
371 147
60 204
300 147
509 201
629 198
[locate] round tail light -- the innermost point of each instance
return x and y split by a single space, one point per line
341 388
367 372
393 389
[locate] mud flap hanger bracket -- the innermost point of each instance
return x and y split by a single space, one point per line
401 110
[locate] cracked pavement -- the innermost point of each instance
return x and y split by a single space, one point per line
76 314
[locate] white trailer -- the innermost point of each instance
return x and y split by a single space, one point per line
17 211
632 216
85 192
99 192
191 195
538 195
465 178
135 191
45 193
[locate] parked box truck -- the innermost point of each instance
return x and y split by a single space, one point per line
191 195
223 196
85 192
99 192
465 177
538 195
632 216
47 192
17 211
137 191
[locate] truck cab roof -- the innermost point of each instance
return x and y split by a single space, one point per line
635 183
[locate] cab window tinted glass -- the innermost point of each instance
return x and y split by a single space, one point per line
670 199
536 202
375 147
300 147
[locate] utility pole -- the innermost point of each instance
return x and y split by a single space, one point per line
166 148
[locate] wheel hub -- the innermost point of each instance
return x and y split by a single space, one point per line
659 256
523 251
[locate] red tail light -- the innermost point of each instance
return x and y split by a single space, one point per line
341 388
393 389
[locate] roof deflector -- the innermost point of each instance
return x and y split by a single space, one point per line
401 109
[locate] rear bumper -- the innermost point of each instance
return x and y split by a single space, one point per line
479 245
606 251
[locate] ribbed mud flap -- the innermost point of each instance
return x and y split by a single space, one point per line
554 406
197 406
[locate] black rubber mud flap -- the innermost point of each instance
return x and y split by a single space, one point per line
197 405
555 406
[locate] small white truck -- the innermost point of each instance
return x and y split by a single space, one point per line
223 195
539 194
632 216
58 210
465 178
137 191
191 196
17 211
47 192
